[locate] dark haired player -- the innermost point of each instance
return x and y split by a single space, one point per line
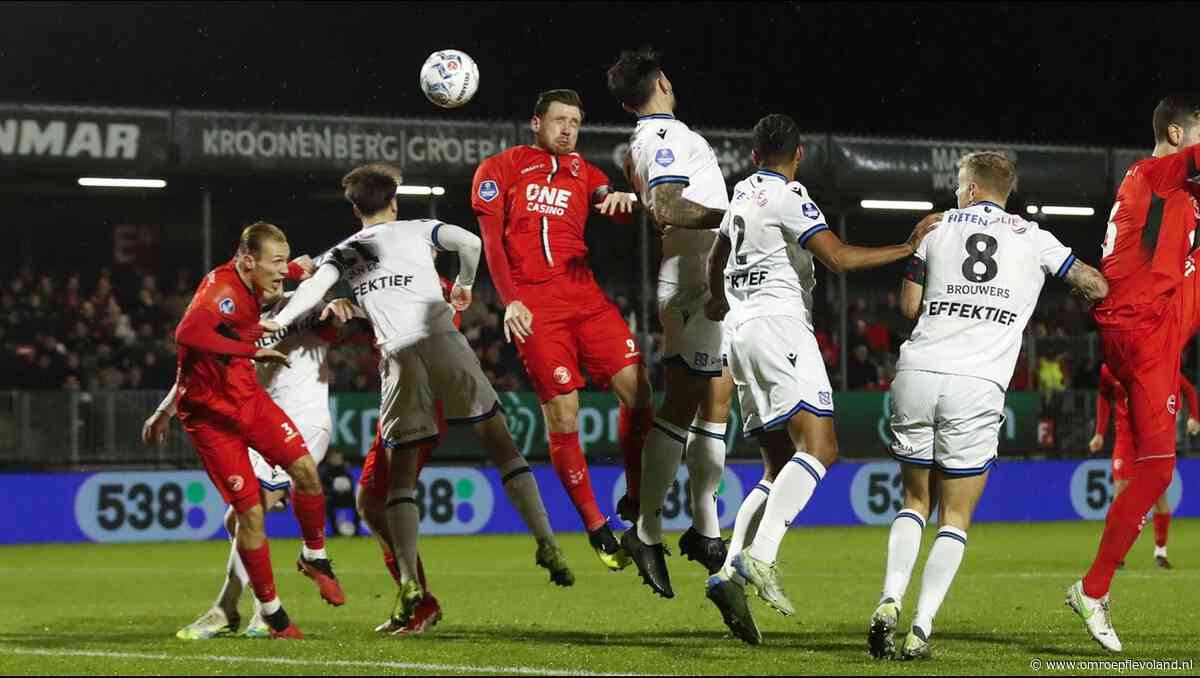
680 182
1151 310
532 203
761 273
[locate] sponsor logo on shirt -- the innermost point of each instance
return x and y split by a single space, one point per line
810 210
488 191
664 157
547 200
227 306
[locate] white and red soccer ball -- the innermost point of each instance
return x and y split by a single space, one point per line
449 78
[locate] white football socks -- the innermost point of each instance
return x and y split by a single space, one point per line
792 489
705 451
404 522
904 542
522 490
746 522
660 465
940 567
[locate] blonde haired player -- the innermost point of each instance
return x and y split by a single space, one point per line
972 286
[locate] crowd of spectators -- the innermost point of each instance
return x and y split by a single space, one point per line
112 331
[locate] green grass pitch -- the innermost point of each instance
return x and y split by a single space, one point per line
114 609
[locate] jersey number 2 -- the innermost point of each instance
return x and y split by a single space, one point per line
981 248
739 224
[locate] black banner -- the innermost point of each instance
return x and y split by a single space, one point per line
894 168
109 141
423 149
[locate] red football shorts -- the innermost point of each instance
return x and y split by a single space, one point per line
575 327
222 444
374 479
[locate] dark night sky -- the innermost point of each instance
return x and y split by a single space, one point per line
1050 73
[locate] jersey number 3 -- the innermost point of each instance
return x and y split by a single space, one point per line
980 266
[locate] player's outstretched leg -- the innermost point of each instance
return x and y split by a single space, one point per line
1089 597
308 503
522 490
792 489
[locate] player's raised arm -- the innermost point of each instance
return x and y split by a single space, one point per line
841 257
198 328
488 201
310 293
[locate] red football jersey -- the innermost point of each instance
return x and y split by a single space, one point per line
216 340
1150 233
540 202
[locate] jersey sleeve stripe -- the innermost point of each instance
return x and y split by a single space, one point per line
668 179
434 238
1066 266
811 232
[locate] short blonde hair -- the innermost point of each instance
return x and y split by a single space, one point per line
254 235
992 170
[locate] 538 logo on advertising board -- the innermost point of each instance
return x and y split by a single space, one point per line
1092 489
454 500
148 506
877 493
677 508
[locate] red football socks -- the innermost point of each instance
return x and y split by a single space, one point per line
310 513
633 425
1121 526
571 466
258 566
1162 521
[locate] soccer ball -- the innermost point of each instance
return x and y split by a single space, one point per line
449 78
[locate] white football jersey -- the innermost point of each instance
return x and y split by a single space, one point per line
390 269
984 271
663 150
769 271
305 383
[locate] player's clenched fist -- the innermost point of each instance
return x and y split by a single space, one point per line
518 322
154 431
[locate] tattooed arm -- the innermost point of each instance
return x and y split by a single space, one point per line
670 208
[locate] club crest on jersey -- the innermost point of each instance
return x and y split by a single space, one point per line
825 397
664 157
235 483
488 191
562 375
810 210
1171 404
576 167
227 306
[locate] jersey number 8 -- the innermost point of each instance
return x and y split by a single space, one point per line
981 248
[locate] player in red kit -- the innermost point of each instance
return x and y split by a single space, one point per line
1112 398
532 203
224 409
1145 319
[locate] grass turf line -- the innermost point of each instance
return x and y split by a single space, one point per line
106 609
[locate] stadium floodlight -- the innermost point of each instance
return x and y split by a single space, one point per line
1068 211
896 205
113 182
420 190
1031 209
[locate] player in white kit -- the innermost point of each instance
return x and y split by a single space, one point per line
761 271
423 358
676 174
301 389
973 284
